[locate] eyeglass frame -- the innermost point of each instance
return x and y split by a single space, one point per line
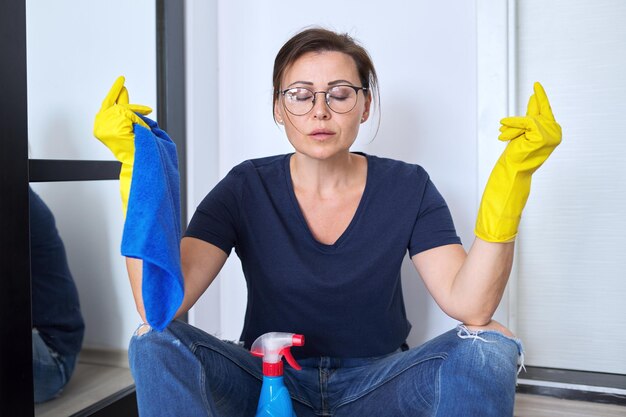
326 97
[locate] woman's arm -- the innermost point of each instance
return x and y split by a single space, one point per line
467 287
470 287
134 267
200 263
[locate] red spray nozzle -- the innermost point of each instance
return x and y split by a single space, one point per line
298 340
272 347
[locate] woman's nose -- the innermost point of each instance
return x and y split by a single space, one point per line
320 107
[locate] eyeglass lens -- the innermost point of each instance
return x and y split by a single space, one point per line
300 100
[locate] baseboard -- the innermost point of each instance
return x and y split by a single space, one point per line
574 385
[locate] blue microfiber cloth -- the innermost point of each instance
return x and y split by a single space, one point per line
152 230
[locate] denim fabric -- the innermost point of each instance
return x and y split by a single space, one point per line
51 371
183 371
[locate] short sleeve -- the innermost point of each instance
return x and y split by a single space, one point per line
216 219
434 226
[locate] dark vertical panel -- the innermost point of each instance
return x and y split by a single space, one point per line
171 109
16 381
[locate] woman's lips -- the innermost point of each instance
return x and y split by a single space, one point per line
321 134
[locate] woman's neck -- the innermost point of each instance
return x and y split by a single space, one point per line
328 176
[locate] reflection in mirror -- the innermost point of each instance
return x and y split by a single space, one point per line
89 222
58 326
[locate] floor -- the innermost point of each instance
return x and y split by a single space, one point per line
89 384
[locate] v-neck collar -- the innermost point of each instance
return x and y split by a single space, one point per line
296 206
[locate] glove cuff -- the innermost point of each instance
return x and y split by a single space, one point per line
502 204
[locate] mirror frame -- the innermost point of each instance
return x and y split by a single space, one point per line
17 171
16 384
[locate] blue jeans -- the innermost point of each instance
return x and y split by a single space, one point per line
51 371
184 371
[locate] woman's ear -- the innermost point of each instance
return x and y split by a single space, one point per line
278 114
366 108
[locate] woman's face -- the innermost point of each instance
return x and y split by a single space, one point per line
321 133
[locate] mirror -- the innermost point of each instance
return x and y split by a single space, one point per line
72 63
89 223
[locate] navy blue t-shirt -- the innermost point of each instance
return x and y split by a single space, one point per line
346 298
56 308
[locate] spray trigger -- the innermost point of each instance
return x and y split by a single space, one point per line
286 352
272 347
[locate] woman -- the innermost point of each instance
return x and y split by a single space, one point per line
58 326
321 234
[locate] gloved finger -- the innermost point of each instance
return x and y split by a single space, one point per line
503 128
511 133
533 107
139 108
129 114
113 94
542 100
518 122
123 97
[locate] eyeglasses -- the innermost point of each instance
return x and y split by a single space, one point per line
339 98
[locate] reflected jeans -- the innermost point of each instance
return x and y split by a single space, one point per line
184 371
51 371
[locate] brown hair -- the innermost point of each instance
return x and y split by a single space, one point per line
320 40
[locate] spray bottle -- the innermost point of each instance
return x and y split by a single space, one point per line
275 400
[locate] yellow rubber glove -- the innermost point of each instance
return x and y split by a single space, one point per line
114 127
531 140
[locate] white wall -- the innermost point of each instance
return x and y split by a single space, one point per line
75 50
203 141
425 54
